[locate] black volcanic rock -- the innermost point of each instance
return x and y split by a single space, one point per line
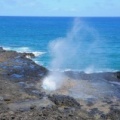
24 93
118 74
29 55
114 114
109 76
62 100
1 49
17 64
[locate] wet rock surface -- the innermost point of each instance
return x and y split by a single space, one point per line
20 99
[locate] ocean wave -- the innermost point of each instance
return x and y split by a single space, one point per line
6 48
100 71
91 70
38 53
36 61
25 50
18 49
85 71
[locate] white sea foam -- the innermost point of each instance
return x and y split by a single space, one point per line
91 69
18 49
28 56
67 70
28 50
38 53
7 48
88 70
36 61
25 50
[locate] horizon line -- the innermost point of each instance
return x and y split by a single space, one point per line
60 16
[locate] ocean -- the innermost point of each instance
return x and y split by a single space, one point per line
89 44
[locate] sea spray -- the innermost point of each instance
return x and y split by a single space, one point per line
72 50
76 50
53 81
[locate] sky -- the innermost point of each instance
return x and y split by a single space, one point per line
60 8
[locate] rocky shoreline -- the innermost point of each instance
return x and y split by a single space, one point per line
21 99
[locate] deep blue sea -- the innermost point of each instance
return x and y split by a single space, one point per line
61 43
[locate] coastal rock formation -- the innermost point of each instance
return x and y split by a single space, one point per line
62 100
109 76
118 75
21 99
1 49
19 65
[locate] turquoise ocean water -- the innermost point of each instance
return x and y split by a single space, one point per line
96 41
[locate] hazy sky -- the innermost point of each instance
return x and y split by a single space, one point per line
60 7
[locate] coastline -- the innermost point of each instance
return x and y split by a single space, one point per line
38 54
20 96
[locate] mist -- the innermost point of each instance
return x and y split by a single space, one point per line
74 51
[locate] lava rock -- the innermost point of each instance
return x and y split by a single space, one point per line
28 55
7 99
1 49
62 100
19 65
114 114
118 75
